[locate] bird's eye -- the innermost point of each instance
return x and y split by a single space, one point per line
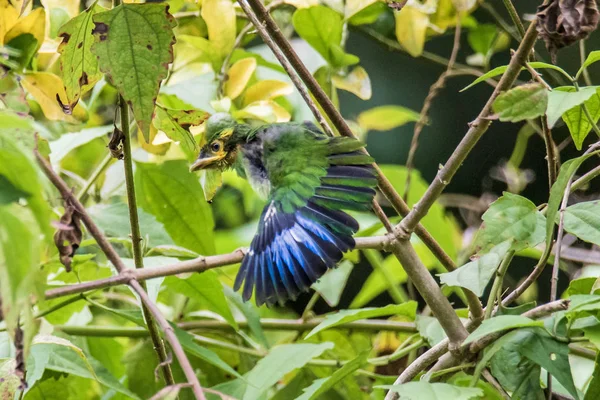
215 147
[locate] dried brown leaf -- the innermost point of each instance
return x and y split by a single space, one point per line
68 236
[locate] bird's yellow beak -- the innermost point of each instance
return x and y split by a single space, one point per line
204 162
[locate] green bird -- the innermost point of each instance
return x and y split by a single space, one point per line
307 179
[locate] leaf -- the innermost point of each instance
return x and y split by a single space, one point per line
210 180
265 110
205 288
79 67
521 103
562 99
34 24
133 43
266 90
354 7
238 76
281 360
577 121
482 38
591 58
411 29
9 193
165 122
500 70
593 389
174 196
8 17
219 16
432 391
430 329
517 374
408 309
512 217
9 380
320 386
385 118
113 220
322 28
187 341
49 91
476 275
356 82
61 147
250 312
331 285
500 323
583 221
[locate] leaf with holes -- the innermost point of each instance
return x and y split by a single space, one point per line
521 103
78 65
134 48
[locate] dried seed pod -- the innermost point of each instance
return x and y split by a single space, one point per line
115 145
563 22
68 236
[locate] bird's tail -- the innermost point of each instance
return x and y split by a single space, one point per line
293 250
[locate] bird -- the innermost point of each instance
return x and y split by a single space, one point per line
307 179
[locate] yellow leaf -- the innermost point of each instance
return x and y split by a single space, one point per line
8 17
219 16
302 3
267 90
411 26
47 89
71 7
385 118
34 24
238 77
151 147
267 111
356 82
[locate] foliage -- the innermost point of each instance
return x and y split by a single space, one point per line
70 75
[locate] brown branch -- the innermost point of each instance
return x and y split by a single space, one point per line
124 273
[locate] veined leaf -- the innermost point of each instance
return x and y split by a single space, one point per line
207 289
591 58
583 221
562 99
500 323
134 47
521 103
78 65
512 217
385 118
500 70
165 122
433 391
174 196
219 16
411 29
577 121
49 91
266 90
281 360
476 275
408 309
238 76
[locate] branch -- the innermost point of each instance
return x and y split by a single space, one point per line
124 273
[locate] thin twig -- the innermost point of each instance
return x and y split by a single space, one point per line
94 176
559 239
497 285
433 92
512 11
124 273
582 57
551 153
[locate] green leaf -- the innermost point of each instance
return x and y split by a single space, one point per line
164 120
187 341
321 386
562 99
512 217
433 391
9 193
577 121
500 70
430 329
113 220
464 380
408 309
521 103
583 221
593 389
281 360
174 196
331 285
79 67
499 324
207 289
385 118
482 38
322 27
69 141
517 374
476 274
250 312
134 47
591 58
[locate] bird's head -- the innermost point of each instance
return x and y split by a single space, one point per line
220 150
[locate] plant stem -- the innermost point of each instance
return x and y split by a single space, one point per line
92 179
497 285
374 258
136 242
582 57
515 17
403 350
558 246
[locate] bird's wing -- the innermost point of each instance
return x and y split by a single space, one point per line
302 231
